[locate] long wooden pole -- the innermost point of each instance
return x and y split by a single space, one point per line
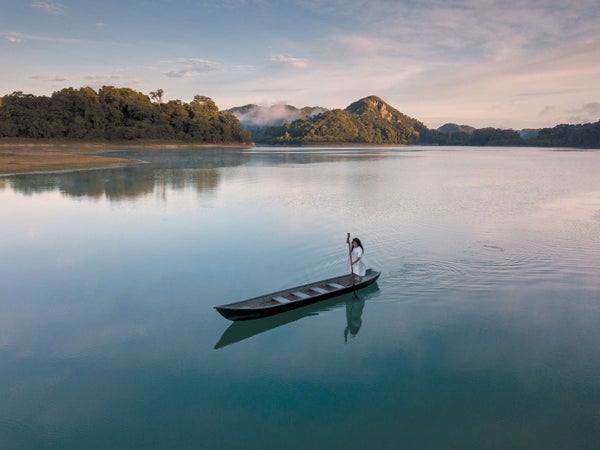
350 256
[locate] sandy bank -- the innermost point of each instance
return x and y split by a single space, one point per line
18 157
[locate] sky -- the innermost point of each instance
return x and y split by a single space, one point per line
485 63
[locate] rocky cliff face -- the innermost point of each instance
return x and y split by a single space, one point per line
371 103
375 106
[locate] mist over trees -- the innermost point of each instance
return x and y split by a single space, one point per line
257 118
116 114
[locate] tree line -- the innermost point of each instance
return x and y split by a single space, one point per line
585 135
577 136
337 126
478 137
116 114
124 114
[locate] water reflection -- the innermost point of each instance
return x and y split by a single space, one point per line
159 172
489 304
312 155
239 331
354 310
164 169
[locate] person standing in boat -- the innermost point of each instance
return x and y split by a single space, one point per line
356 258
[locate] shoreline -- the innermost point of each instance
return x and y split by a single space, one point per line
28 157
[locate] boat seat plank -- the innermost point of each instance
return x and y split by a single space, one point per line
281 299
335 285
300 294
319 290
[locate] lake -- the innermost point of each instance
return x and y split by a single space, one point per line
483 330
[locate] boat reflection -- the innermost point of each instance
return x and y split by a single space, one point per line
239 331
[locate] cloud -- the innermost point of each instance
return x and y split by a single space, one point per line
87 80
102 78
589 112
361 44
16 38
49 8
191 67
51 79
548 110
289 62
12 37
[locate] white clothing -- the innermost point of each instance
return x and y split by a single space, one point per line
358 268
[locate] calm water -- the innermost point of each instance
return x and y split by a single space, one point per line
482 332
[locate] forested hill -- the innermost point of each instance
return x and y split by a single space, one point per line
117 114
450 128
372 121
369 121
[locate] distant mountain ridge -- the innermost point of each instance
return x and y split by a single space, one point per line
449 128
371 120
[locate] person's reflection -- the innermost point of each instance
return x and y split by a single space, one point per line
354 309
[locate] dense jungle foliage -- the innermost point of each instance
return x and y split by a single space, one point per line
116 114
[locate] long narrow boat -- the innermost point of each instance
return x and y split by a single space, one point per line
286 300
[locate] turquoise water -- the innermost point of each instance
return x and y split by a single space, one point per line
482 332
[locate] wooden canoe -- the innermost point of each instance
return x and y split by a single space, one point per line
296 297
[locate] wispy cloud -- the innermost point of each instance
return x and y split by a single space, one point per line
590 112
191 67
103 78
357 44
12 37
289 62
51 79
16 38
97 79
50 8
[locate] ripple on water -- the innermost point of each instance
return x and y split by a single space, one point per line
481 267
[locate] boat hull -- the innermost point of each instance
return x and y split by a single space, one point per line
297 297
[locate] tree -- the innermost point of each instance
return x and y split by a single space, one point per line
157 95
203 105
